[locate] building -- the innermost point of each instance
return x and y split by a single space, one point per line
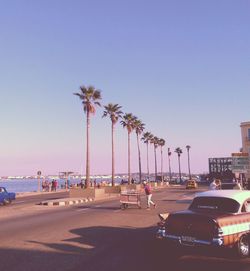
221 168
245 136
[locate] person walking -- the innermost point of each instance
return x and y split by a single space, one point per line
148 193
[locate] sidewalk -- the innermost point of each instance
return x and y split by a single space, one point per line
26 194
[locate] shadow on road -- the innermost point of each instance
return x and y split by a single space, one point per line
107 249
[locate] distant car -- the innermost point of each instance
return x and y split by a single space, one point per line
218 220
190 184
6 197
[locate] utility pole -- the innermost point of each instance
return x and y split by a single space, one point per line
39 173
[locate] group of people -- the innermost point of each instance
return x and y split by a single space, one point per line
48 186
216 184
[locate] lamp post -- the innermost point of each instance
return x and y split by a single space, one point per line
39 173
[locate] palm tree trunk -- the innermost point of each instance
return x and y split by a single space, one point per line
113 156
87 153
179 167
189 166
129 175
169 166
155 164
139 156
161 166
147 161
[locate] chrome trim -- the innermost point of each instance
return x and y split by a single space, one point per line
161 233
216 241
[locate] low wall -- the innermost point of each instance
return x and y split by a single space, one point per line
86 193
112 189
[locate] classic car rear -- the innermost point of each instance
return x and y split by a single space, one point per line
215 219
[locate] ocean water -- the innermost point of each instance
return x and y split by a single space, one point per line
24 185
31 185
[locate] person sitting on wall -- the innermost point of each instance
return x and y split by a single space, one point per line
215 184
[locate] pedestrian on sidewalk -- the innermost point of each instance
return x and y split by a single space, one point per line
148 193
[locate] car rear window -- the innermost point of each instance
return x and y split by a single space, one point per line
215 204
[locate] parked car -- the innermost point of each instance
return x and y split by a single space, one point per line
190 184
216 220
6 197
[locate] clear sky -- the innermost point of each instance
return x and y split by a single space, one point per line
180 66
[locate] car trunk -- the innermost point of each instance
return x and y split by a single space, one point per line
189 224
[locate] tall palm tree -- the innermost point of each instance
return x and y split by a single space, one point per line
128 123
155 141
146 138
169 165
161 143
189 172
179 152
114 112
139 127
90 98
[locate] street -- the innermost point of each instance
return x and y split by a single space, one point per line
96 236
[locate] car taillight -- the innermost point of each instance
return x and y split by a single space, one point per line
218 231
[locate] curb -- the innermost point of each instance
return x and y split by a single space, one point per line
65 202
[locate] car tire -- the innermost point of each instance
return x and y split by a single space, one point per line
6 201
243 247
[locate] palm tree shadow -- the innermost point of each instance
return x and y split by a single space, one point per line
127 248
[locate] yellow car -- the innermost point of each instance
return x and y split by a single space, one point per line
191 184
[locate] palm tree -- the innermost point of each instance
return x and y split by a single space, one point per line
179 152
188 148
139 127
114 112
155 141
169 165
161 143
146 138
128 123
90 98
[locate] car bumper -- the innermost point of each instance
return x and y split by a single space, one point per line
191 242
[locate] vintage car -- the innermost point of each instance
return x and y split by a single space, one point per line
6 197
215 220
190 184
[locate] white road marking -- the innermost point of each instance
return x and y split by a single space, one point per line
116 211
19 202
82 210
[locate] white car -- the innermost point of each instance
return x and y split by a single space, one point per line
215 219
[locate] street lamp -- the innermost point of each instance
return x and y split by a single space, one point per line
39 173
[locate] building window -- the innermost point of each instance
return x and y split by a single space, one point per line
248 134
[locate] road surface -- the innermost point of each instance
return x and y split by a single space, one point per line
96 236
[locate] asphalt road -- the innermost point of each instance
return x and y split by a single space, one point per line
96 236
